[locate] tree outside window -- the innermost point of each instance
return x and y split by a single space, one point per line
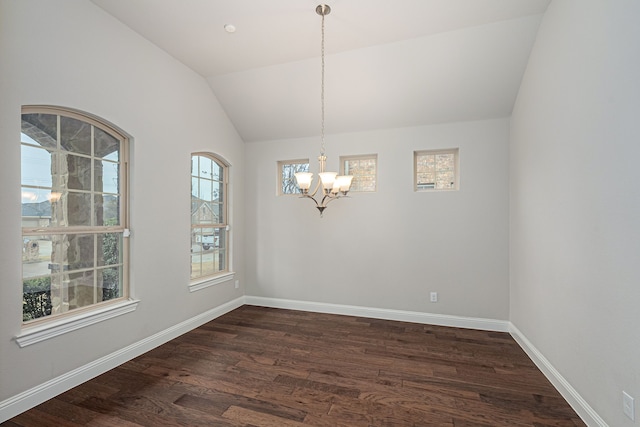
286 175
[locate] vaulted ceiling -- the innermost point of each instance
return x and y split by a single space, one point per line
388 64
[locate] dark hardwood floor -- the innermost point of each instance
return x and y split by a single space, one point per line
266 367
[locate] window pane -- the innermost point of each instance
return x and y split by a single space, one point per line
445 180
218 192
75 135
36 256
216 171
79 172
364 171
222 259
195 243
41 128
36 207
195 188
78 209
110 280
36 298
107 210
107 176
205 170
58 211
206 190
203 214
78 252
426 164
106 146
110 249
36 166
80 288
288 169
219 260
196 265
207 264
444 161
197 239
195 206
217 211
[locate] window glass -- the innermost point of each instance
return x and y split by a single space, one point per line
436 170
209 235
286 175
72 203
364 170
75 135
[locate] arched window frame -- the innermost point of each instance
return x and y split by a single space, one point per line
210 228
78 290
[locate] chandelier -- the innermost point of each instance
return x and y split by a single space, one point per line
330 185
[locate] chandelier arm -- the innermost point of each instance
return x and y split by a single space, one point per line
306 196
332 198
315 191
326 198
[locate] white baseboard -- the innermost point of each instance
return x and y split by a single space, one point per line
32 397
570 394
383 313
26 400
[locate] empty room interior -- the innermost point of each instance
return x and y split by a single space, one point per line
492 147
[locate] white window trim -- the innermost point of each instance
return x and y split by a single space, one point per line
211 281
44 331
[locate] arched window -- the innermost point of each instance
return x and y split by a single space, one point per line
209 217
74 213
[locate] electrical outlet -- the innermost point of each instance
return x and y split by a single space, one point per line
627 406
237 284
434 297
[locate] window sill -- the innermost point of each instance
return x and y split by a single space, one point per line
36 334
211 281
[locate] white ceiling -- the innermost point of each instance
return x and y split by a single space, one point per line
388 64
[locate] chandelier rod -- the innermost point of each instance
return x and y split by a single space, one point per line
322 10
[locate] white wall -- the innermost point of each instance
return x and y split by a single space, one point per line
71 53
575 200
390 248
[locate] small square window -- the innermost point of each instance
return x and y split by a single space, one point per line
286 175
364 170
436 170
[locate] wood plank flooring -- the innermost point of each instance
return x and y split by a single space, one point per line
266 367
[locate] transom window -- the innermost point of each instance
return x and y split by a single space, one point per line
364 170
209 223
436 170
74 212
286 175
